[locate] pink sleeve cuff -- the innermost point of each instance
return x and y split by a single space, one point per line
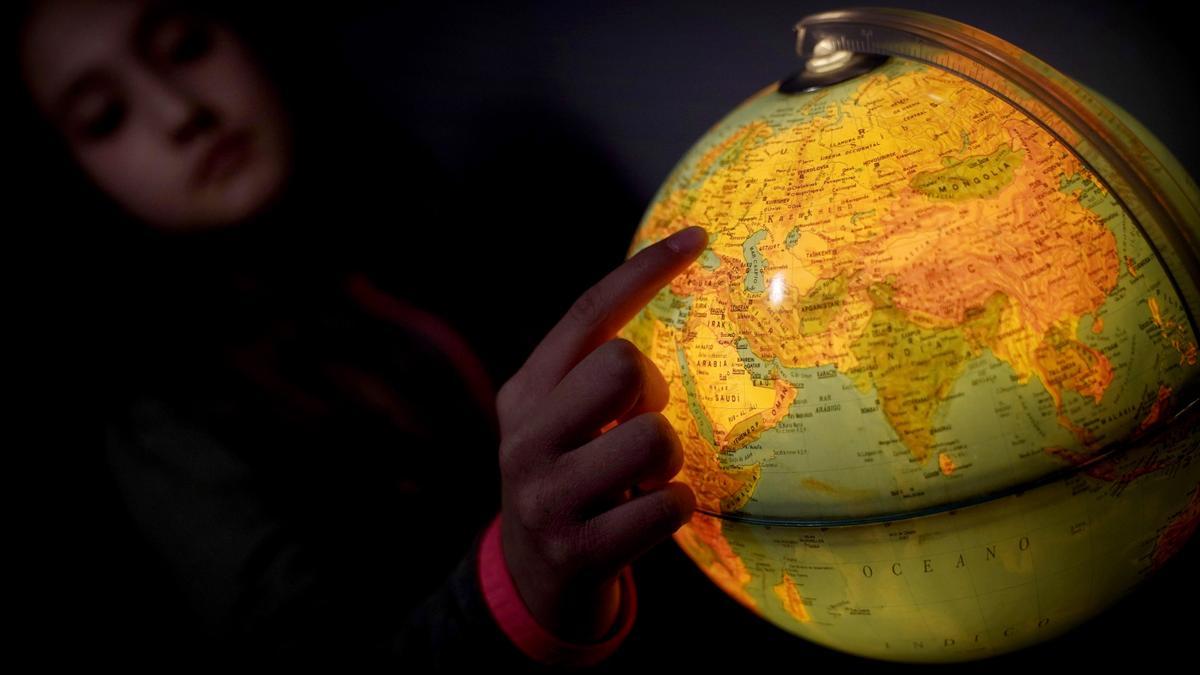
518 624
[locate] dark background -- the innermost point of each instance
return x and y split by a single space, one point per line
551 124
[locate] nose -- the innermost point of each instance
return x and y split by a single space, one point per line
199 119
180 114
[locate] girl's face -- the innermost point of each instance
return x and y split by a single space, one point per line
167 112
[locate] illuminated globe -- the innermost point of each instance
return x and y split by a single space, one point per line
935 375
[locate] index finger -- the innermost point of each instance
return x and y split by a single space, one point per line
604 308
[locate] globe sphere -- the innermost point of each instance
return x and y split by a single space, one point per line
935 374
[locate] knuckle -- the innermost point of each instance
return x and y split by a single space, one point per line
588 547
511 455
533 510
624 363
505 394
650 445
654 430
522 471
509 467
561 552
507 399
670 507
690 503
545 506
624 347
674 458
588 309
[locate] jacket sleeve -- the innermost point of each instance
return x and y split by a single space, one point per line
267 593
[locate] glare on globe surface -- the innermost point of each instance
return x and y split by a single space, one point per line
932 373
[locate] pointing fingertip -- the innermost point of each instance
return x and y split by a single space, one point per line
688 240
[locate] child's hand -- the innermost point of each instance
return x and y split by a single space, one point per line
570 521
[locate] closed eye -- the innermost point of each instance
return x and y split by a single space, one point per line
104 123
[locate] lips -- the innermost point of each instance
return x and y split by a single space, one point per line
228 153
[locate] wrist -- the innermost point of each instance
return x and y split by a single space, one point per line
573 612
515 619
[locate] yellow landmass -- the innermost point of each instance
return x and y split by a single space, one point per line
701 538
1063 362
854 180
1161 404
1131 267
730 151
790 598
817 309
946 464
640 331
702 541
1066 363
970 178
748 477
820 486
913 363
1174 332
739 409
1177 532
